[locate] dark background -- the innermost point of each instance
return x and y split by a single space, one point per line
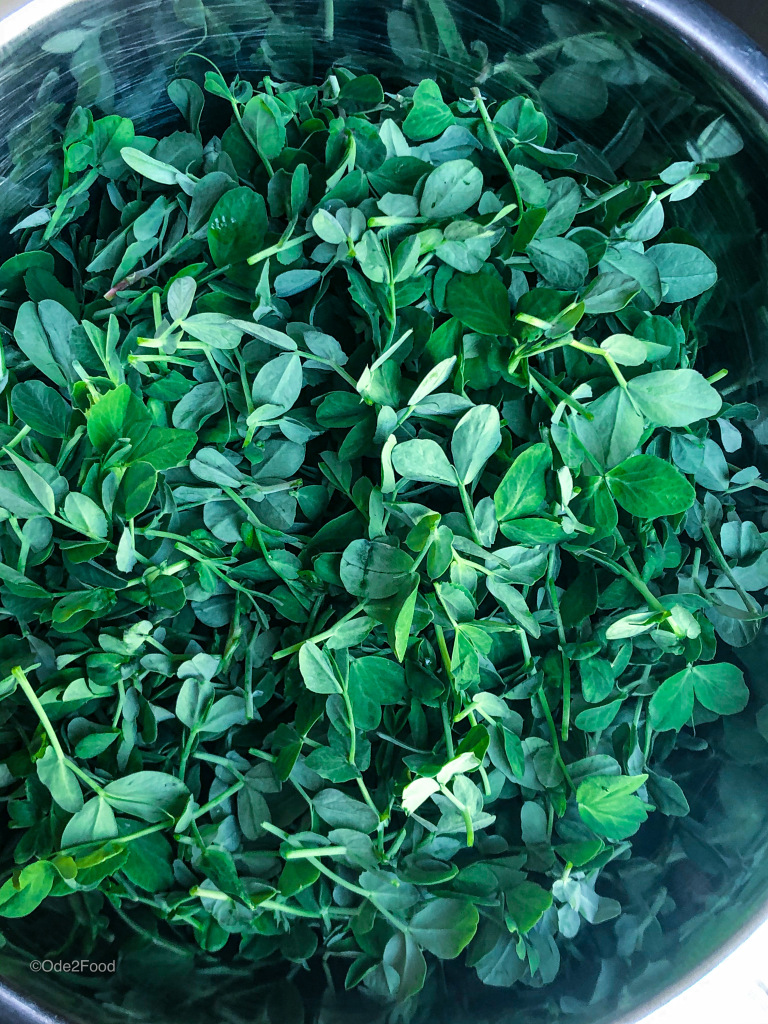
751 15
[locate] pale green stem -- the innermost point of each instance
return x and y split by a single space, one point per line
338 878
631 577
464 813
602 354
316 851
280 246
320 636
45 721
566 723
351 725
39 710
225 795
486 119
719 557
553 735
469 512
19 437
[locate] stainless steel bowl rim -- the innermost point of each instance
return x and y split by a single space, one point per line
743 65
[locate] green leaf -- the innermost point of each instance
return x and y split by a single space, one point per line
615 430
196 408
513 748
647 487
317 669
513 602
377 679
116 415
597 679
33 342
95 822
668 797
671 706
429 115
403 957
293 282
433 379
475 438
85 515
423 460
42 408
596 719
416 792
372 570
325 225
18 898
279 382
403 624
149 795
263 122
625 349
35 481
675 398
252 810
16 497
480 302
193 700
684 269
149 863
237 226
718 140
445 926
15 267
625 260
149 167
361 93
451 189
57 776
164 448
457 601
341 811
607 804
333 764
181 295
562 263
523 488
215 84
720 688
527 903
501 966
188 97
214 329
96 743
576 92
609 293
136 489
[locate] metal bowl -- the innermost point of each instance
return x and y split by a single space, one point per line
680 65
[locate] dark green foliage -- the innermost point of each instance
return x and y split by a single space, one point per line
365 533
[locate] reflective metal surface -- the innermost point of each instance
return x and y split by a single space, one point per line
675 66
752 17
